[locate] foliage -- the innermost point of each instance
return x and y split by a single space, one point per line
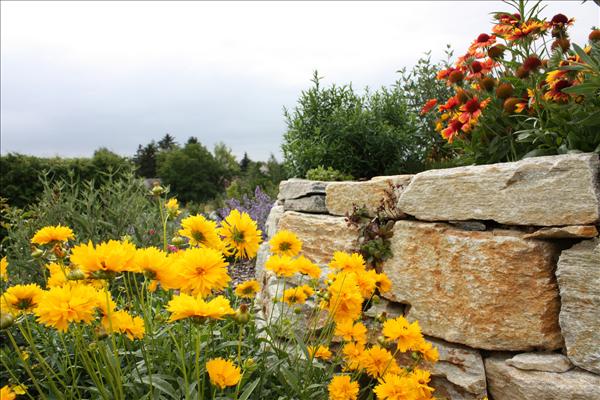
191 172
119 207
265 175
20 181
361 135
113 321
327 174
527 96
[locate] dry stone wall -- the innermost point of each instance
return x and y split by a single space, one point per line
499 263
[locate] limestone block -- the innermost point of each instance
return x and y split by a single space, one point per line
564 232
509 383
543 191
578 275
296 188
490 290
341 196
309 204
273 220
546 362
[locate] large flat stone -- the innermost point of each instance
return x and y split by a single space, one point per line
564 232
342 196
310 204
321 235
546 362
490 290
578 275
273 220
545 191
459 373
296 188
510 383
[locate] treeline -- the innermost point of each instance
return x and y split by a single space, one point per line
194 174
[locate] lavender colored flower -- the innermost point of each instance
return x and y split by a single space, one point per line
257 207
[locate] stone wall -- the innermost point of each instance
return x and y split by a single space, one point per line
499 263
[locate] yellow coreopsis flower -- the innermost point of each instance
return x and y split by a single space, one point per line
122 322
186 306
347 262
57 276
156 265
285 243
247 289
223 373
321 352
241 233
201 270
353 353
107 257
201 232
306 267
394 387
367 282
383 283
351 332
345 301
408 335
21 298
60 306
6 393
427 350
49 234
172 206
342 387
294 296
283 266
378 361
421 379
3 269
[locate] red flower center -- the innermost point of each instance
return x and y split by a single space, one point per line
476 66
559 19
484 37
471 106
562 84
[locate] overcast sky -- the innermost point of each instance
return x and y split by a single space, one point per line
76 76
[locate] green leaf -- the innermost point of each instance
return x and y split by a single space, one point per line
249 389
160 384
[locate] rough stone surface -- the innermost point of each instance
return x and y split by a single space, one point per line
490 290
459 373
578 275
543 191
341 196
273 220
321 235
310 204
564 232
545 362
391 310
296 188
510 383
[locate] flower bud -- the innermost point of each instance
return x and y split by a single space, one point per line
504 91
158 190
6 320
376 299
37 253
510 104
381 340
297 310
487 83
594 35
126 238
456 77
177 241
76 275
563 43
496 52
249 364
522 72
462 96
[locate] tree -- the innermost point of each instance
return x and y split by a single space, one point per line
192 172
145 160
192 140
167 143
226 160
245 162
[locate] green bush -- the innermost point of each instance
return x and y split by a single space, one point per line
362 135
327 174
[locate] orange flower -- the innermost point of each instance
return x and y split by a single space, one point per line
556 94
452 102
528 28
453 129
428 106
483 40
471 110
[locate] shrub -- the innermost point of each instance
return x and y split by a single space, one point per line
257 206
329 174
527 96
363 136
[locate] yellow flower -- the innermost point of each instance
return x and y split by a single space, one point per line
395 387
281 265
407 335
427 350
223 373
172 206
57 276
240 232
155 264
186 306
345 301
377 362
285 243
353 353
306 267
421 378
247 289
367 282
3 269
60 306
201 232
51 234
19 389
6 393
321 352
351 332
383 283
342 387
122 322
294 296
106 257
21 298
201 270
348 262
